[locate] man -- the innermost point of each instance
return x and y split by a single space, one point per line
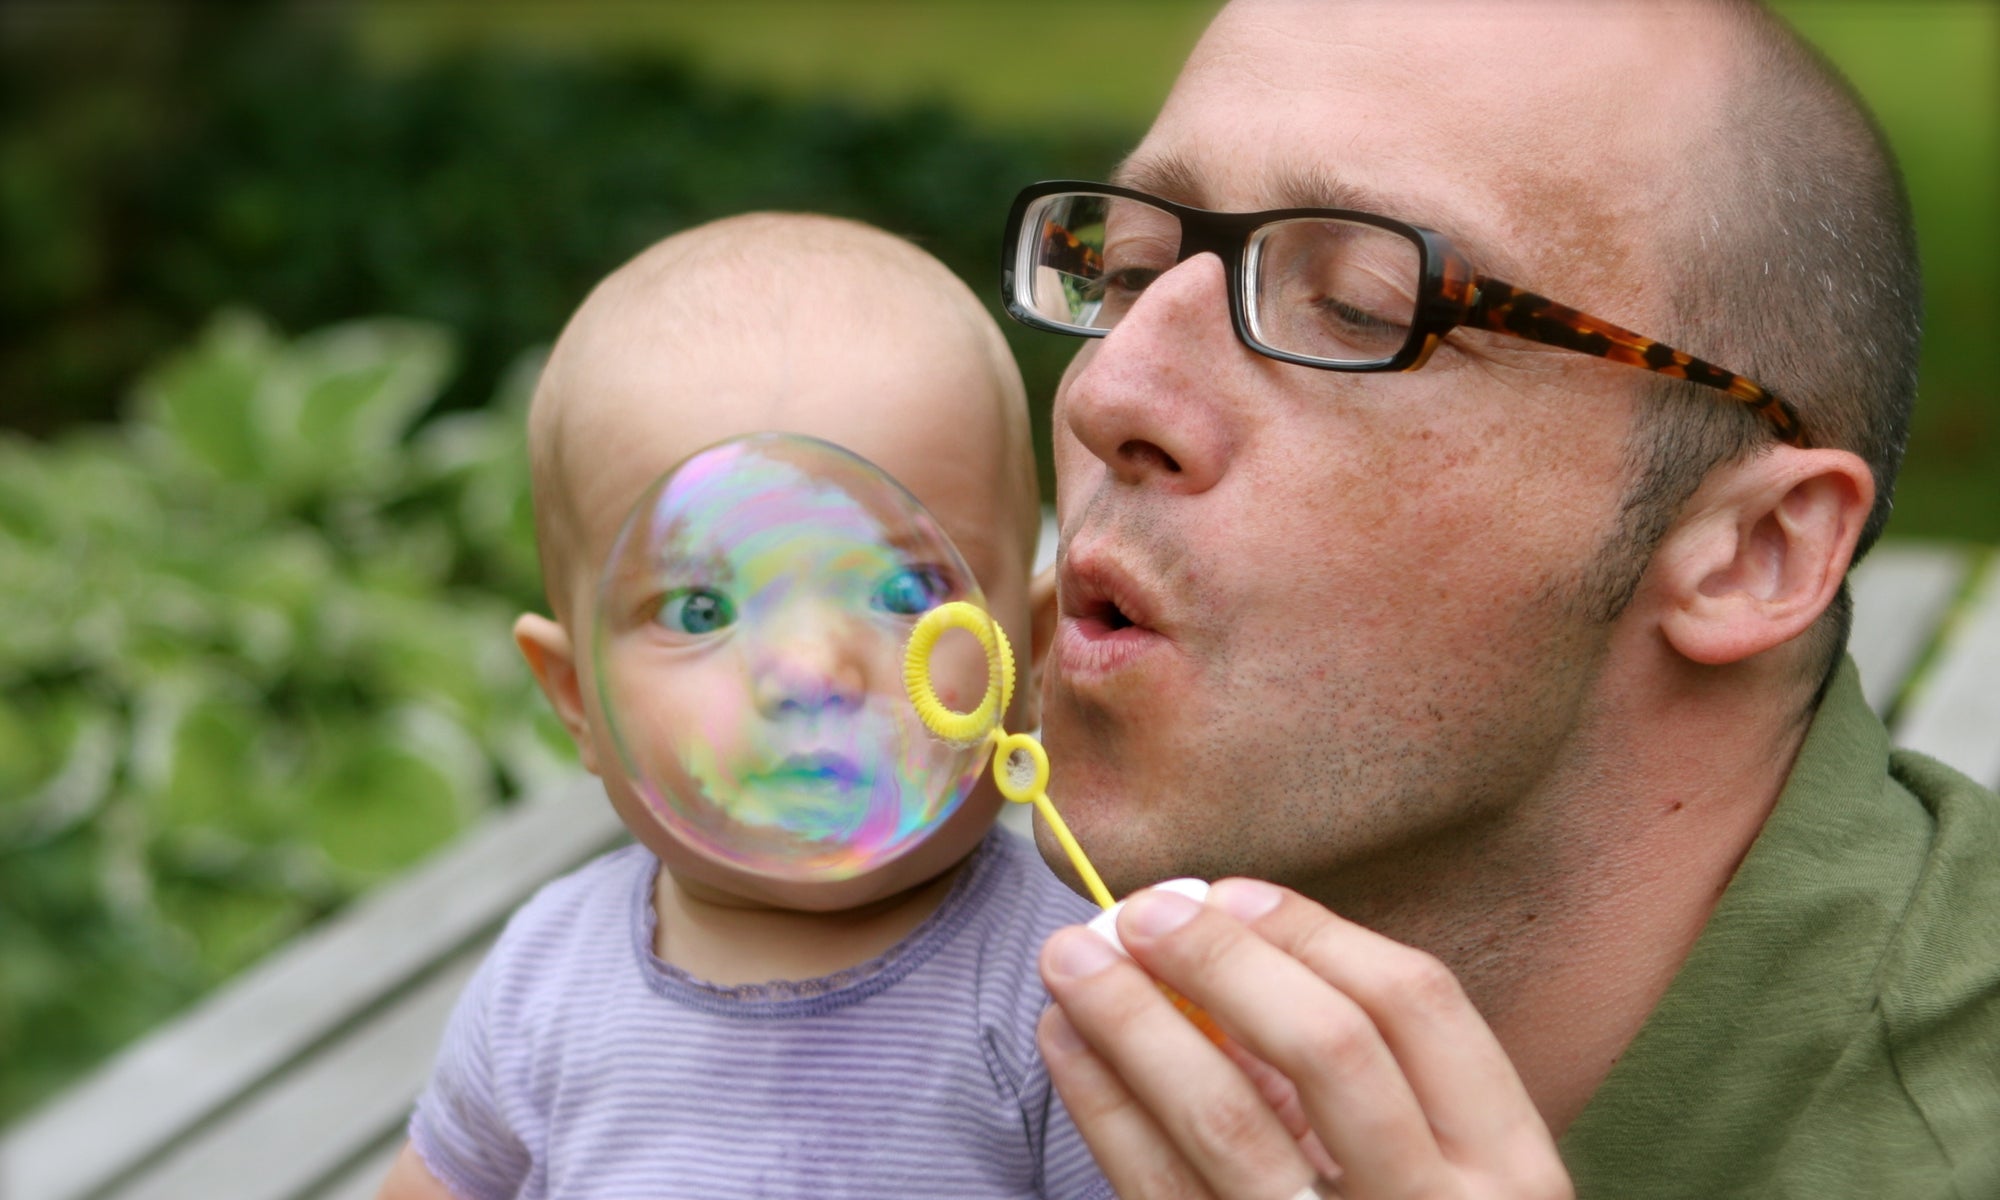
1521 671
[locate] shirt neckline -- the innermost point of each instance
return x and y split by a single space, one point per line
790 998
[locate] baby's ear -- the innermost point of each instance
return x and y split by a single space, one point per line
552 661
1041 635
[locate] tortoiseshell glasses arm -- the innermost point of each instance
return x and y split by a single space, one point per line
1504 308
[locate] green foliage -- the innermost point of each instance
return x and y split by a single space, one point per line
158 170
253 658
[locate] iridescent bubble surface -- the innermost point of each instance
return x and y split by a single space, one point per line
748 653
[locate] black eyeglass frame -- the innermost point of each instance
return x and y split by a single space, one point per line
1450 294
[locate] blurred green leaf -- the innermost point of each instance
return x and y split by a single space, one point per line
367 782
208 401
231 925
360 387
195 758
57 764
256 656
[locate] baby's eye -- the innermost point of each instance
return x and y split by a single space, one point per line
696 610
911 590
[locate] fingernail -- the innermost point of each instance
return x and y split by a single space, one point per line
1156 912
1077 953
1246 899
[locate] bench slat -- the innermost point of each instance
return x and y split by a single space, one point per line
1955 717
307 1126
152 1096
1901 592
364 1179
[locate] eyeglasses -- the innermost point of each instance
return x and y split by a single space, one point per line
1321 287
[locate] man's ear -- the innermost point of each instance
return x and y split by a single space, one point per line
1761 552
552 661
1041 635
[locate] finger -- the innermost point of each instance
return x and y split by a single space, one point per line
1459 1072
1208 1112
1129 1146
1283 1097
1350 1084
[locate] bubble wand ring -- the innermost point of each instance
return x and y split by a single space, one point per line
979 725
1020 784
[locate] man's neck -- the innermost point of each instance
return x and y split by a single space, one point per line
1567 921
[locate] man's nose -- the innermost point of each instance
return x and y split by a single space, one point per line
812 663
1147 399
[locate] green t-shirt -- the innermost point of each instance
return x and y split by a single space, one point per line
1836 1030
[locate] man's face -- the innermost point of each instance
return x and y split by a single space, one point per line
1313 620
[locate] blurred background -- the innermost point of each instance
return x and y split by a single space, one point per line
274 282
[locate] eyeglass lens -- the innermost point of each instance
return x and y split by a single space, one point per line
1340 292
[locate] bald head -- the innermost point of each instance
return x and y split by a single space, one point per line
1790 255
1589 105
777 322
1689 168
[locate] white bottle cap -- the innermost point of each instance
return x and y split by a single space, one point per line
1106 923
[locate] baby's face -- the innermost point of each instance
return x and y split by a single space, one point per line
748 655
781 688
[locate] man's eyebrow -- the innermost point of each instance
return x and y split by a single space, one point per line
1172 176
1168 176
1318 188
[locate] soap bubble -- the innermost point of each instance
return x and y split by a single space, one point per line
748 651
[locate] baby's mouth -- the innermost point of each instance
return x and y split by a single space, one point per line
816 770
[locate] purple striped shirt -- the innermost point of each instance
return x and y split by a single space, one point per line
578 1064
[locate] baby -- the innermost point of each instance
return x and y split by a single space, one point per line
659 1023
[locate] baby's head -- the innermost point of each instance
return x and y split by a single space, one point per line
774 323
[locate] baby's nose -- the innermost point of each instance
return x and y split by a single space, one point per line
817 663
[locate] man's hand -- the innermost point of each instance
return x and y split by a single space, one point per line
1349 1049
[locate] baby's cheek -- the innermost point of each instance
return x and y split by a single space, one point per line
724 718
958 671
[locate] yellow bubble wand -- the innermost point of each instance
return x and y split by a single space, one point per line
1020 765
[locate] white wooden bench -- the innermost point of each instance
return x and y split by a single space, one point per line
294 1081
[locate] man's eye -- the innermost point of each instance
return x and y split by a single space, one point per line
696 610
911 591
1117 291
1356 317
1130 280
